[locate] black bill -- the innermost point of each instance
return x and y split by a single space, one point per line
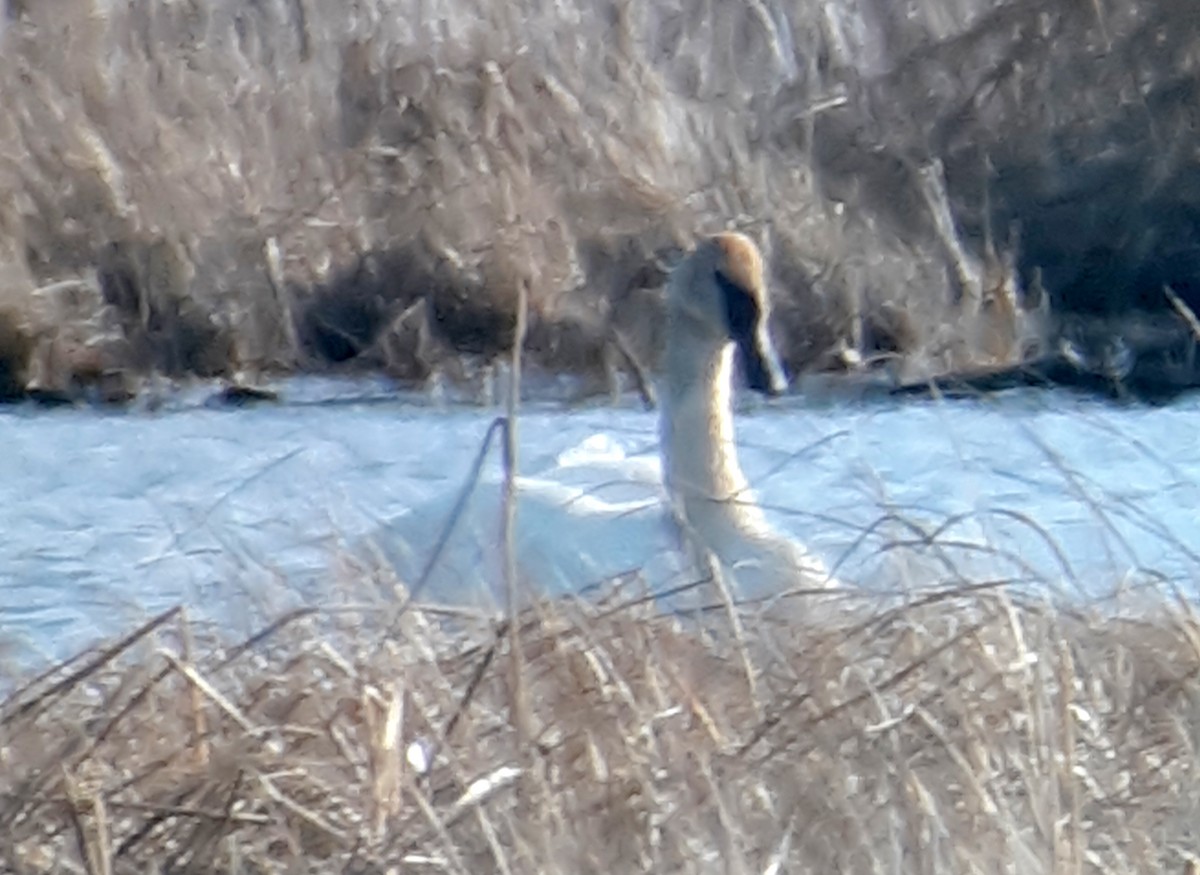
756 353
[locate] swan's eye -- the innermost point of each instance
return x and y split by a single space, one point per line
741 308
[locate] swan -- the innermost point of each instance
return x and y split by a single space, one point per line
661 522
718 307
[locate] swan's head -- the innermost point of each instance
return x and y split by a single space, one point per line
719 290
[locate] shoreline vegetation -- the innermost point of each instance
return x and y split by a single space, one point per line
960 732
960 188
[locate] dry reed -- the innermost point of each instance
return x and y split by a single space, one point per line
963 733
207 189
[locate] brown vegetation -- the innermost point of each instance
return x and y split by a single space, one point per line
958 733
275 186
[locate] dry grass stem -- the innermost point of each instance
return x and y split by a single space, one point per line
522 717
199 724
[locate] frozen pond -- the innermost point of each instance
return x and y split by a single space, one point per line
110 516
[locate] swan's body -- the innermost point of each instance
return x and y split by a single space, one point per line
663 526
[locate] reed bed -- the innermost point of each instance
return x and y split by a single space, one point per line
206 189
958 732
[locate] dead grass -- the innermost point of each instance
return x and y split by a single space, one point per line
959 733
275 187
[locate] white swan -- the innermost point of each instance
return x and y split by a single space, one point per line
718 306
660 525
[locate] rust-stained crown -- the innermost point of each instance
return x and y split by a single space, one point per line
741 262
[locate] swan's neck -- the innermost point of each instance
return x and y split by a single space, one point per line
700 459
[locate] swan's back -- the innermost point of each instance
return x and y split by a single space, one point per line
593 516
